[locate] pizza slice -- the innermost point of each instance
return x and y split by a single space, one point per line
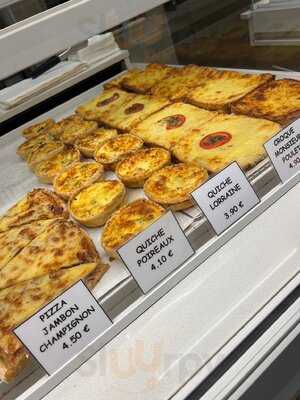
39 204
14 240
63 244
126 116
117 82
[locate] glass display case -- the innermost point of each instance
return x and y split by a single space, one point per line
214 86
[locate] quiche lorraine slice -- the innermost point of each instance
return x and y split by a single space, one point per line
76 178
38 128
225 139
129 114
93 205
94 109
172 186
63 244
48 169
39 204
88 144
225 87
137 167
127 222
277 101
166 127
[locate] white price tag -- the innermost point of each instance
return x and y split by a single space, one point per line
226 197
156 252
284 151
62 328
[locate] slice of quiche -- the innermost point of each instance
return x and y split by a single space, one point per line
39 204
63 244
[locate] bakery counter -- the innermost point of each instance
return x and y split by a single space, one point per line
254 281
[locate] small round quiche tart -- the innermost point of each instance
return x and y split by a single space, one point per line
38 128
127 222
171 186
93 205
77 177
113 150
48 169
137 167
88 144
69 129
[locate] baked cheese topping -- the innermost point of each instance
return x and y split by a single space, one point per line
142 164
117 148
278 101
88 144
44 151
117 82
128 221
95 108
39 204
71 128
38 129
175 183
35 144
225 87
225 139
58 163
77 177
94 199
126 116
166 127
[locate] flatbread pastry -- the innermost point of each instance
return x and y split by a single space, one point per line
38 128
94 109
39 204
76 178
48 169
110 152
129 114
93 205
172 186
127 222
71 128
166 127
143 81
277 101
180 81
15 239
225 139
88 144
137 167
63 244
225 87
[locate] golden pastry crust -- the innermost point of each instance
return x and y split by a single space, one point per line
137 167
277 101
39 204
88 144
225 139
48 169
117 82
113 150
71 128
128 115
127 222
93 205
179 82
166 127
225 87
77 177
62 244
172 186
38 128
143 81
12 364
94 109
43 143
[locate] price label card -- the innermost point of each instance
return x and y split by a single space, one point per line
62 328
226 197
284 151
156 252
